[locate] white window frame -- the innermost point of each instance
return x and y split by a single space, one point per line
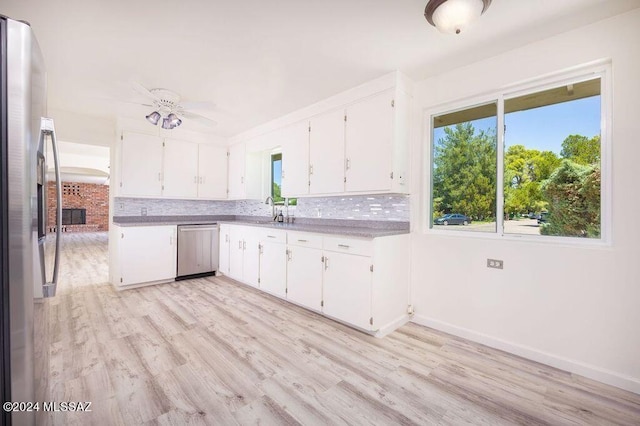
600 70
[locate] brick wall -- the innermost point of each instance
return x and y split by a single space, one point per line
94 198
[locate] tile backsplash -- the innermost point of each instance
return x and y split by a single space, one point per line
392 207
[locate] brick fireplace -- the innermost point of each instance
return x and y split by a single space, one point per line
86 202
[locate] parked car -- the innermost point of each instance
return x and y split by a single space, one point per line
453 219
543 218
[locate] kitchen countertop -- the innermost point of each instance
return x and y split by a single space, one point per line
354 228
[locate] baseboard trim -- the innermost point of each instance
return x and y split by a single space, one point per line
392 326
592 372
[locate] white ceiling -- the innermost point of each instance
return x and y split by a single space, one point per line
258 60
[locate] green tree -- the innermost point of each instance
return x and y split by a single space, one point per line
464 172
524 170
582 150
573 194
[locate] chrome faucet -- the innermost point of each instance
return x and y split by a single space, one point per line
269 201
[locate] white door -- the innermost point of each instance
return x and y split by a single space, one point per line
147 254
304 276
141 165
347 288
251 262
212 171
369 144
225 246
237 163
180 169
295 159
326 153
236 252
273 268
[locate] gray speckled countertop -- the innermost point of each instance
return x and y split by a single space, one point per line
355 228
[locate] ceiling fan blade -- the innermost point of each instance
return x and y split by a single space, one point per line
198 105
201 118
143 90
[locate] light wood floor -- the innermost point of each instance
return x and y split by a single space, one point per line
212 351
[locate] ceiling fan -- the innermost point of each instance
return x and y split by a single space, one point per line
166 105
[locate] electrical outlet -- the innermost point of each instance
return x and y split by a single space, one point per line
143 211
495 263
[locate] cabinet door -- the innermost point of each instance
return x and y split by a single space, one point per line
273 268
236 252
141 165
237 163
212 171
369 144
147 254
251 261
347 288
304 276
295 159
225 246
180 169
326 153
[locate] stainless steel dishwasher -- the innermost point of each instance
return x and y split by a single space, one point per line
197 250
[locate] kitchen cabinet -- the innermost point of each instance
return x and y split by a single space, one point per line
144 254
225 249
295 159
212 171
347 288
304 269
180 169
237 164
273 262
363 282
326 153
369 144
244 255
140 165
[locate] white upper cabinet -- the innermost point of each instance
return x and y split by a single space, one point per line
237 164
212 171
180 169
295 159
326 153
140 165
369 144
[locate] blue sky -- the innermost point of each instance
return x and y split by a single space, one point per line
546 127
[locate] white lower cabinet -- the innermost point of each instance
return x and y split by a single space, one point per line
363 282
304 270
144 254
244 255
347 288
225 248
273 263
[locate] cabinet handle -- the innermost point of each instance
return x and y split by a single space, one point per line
244 245
240 244
310 169
195 179
347 164
242 179
282 174
303 241
270 236
326 263
260 248
160 177
343 246
289 253
226 238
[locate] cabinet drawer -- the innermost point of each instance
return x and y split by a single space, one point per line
362 247
272 235
304 239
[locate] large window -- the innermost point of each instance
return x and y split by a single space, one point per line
544 178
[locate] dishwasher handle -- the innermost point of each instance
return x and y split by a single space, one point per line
183 229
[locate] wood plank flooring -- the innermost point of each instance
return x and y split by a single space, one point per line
213 351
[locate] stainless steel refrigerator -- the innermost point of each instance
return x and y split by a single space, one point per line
25 285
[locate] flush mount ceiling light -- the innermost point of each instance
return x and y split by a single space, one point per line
452 16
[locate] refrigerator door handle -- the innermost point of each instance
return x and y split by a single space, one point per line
46 128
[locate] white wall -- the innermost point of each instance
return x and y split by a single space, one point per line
576 308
